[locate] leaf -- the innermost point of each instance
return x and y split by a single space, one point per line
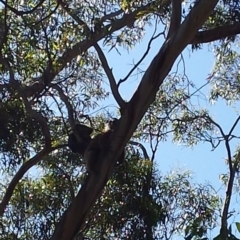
238 226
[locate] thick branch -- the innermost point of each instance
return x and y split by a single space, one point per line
216 34
73 218
175 17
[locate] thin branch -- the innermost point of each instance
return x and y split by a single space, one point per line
217 125
67 103
140 60
112 81
175 17
226 139
23 169
158 135
234 125
145 154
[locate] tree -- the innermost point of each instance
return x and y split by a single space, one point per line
46 59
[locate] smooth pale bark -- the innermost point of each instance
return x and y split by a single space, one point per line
74 217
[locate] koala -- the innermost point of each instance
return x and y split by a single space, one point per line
98 145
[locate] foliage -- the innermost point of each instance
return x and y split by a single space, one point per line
54 73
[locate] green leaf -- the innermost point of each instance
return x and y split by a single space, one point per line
238 226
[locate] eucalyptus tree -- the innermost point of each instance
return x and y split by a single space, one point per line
53 71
